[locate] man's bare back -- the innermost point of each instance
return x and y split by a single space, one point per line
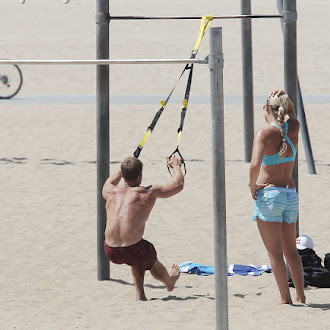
128 209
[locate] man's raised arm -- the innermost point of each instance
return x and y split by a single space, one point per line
176 185
112 181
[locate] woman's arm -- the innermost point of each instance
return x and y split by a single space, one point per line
258 153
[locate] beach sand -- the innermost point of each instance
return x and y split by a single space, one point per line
48 167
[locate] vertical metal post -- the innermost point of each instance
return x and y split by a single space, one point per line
102 130
305 133
247 79
301 115
219 193
290 64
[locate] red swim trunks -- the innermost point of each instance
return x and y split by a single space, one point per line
141 255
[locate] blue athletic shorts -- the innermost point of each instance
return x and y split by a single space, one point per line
275 204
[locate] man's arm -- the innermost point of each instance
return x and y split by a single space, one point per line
110 183
176 185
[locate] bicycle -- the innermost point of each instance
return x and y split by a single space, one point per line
11 80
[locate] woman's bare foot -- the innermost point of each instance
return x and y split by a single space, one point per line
174 274
301 300
283 302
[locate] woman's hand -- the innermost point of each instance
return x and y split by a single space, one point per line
255 188
277 92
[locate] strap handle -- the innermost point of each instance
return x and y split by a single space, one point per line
183 163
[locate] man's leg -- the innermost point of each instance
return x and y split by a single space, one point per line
271 234
293 259
159 272
139 284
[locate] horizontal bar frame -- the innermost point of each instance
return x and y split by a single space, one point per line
105 62
123 18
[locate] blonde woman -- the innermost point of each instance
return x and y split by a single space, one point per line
276 198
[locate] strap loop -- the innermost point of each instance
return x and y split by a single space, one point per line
205 23
183 163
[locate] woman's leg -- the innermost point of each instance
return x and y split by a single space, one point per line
293 259
271 234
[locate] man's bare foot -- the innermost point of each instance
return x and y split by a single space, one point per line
174 273
140 295
284 302
141 298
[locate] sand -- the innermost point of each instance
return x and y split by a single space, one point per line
48 167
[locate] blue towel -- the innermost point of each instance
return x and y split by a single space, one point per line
247 270
194 268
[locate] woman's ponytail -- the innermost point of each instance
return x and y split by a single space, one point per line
278 104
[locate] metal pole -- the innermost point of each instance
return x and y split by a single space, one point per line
290 57
290 65
302 117
304 133
219 193
105 62
126 18
247 79
102 131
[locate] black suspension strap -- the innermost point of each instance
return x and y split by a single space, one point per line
183 115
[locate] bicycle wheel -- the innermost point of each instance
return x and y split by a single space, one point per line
11 80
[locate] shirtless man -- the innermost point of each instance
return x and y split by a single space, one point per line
128 208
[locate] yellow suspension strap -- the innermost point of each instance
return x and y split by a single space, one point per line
206 21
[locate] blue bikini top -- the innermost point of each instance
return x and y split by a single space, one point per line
275 159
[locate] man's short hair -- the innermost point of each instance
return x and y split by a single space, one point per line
131 168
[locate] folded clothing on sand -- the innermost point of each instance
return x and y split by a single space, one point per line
247 270
194 268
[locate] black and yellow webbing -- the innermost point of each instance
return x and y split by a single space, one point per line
155 120
183 114
205 22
